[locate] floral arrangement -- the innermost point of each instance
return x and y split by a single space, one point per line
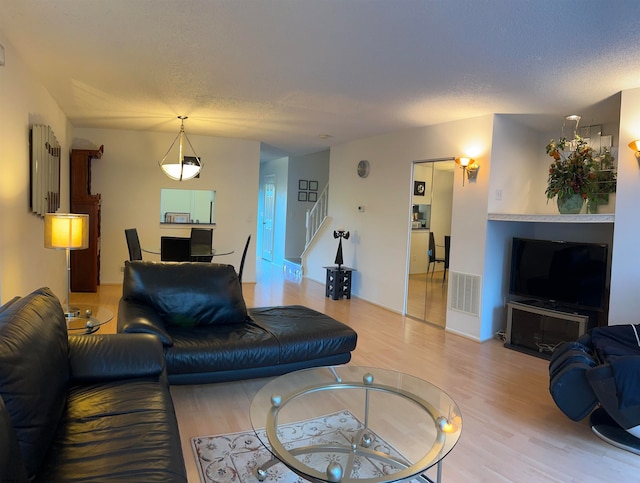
582 171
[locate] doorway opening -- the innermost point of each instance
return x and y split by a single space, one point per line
430 233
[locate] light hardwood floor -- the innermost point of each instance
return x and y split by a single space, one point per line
427 298
512 430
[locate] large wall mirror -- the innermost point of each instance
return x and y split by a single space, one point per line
430 218
45 170
187 206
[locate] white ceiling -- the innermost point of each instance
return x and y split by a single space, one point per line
285 72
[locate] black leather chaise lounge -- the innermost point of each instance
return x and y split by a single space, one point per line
209 335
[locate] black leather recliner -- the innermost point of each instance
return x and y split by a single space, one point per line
209 335
601 370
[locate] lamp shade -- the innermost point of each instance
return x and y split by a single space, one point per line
189 168
66 231
464 162
184 167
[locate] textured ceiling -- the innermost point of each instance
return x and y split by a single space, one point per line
285 72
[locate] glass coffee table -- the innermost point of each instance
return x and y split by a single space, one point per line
349 423
87 319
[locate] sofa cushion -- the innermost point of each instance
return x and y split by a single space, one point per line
34 371
220 348
121 431
304 333
186 294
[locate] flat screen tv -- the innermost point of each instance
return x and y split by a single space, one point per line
561 273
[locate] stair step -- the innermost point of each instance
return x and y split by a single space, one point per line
293 267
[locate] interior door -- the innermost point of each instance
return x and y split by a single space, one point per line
430 212
267 219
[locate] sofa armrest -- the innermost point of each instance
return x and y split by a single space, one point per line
114 356
137 318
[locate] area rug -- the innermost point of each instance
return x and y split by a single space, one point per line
234 458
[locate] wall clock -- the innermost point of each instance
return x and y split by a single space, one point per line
363 168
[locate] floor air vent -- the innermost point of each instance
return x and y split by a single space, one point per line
464 293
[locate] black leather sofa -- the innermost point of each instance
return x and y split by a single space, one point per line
598 375
209 335
82 408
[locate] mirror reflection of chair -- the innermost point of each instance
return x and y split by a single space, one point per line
447 249
431 254
175 249
201 242
133 244
244 255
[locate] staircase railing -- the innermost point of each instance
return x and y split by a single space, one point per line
317 215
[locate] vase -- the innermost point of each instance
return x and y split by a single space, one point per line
570 205
592 207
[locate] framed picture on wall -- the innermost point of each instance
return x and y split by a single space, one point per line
313 186
302 195
419 188
303 184
313 196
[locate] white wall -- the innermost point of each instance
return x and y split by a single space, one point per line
624 306
441 208
519 173
379 235
310 167
129 180
25 264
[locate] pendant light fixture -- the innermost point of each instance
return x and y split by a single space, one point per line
185 167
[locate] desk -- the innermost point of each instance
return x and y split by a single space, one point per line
338 282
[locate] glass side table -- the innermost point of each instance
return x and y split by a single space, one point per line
88 320
347 424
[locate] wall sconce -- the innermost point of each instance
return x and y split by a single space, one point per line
185 167
635 147
469 166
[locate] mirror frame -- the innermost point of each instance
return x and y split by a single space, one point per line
44 170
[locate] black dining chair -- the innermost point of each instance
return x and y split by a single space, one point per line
201 242
133 244
175 249
447 249
431 254
244 255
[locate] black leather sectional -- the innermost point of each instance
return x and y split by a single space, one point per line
209 335
82 408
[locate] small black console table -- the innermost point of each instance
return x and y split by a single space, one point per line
338 281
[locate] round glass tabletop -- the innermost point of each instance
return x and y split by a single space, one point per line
87 319
350 423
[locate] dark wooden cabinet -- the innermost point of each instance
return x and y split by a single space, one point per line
85 264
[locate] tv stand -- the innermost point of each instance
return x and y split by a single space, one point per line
536 329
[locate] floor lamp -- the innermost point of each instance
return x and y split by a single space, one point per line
67 231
